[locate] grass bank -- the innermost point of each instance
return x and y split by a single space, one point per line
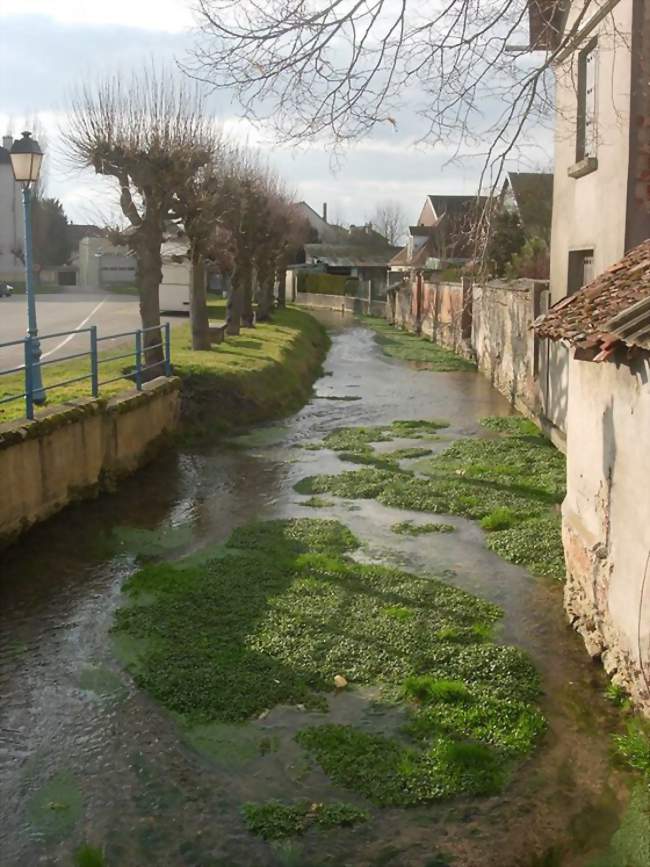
263 373
512 482
281 614
411 347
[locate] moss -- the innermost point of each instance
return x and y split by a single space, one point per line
277 821
410 528
410 347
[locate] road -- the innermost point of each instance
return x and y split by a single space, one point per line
67 311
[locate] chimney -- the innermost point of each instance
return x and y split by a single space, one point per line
325 211
7 142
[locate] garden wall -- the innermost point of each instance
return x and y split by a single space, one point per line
76 452
439 311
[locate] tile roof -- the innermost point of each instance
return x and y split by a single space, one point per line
613 309
350 256
419 257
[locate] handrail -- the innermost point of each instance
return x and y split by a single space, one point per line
138 354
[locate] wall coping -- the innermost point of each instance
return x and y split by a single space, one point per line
22 429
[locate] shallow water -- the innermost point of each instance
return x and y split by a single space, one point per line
70 718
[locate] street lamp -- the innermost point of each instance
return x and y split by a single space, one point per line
26 160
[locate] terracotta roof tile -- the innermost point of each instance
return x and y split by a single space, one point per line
607 310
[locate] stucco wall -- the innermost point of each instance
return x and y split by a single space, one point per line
444 314
11 224
606 517
76 452
590 212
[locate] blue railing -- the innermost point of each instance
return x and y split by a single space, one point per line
138 354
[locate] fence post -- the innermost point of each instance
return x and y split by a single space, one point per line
168 350
138 360
29 378
94 364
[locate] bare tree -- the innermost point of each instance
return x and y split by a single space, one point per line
148 132
390 219
474 70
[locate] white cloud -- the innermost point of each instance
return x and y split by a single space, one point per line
169 15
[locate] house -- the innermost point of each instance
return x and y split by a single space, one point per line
602 132
356 264
322 231
530 195
605 327
451 221
11 217
102 265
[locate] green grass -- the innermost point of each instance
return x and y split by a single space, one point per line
410 347
512 483
263 373
272 616
41 289
408 454
277 821
410 528
633 747
89 856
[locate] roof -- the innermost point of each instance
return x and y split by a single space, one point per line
418 259
613 309
76 232
455 204
533 192
349 255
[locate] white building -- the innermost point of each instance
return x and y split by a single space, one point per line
11 217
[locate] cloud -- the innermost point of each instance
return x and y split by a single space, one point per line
82 43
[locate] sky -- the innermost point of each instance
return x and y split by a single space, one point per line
47 47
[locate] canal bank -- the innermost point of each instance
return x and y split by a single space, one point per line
79 735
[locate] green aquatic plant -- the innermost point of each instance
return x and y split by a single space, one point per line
515 425
426 689
89 856
409 454
615 694
633 747
410 347
56 807
536 544
371 459
277 821
501 518
316 503
410 528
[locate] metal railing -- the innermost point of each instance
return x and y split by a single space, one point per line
136 374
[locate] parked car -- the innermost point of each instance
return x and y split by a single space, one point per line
5 290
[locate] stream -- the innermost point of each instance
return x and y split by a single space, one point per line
75 729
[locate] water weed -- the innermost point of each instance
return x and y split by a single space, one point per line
277 821
89 856
410 528
410 347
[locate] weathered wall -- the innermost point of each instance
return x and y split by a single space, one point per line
439 311
344 303
606 518
74 453
589 212
506 349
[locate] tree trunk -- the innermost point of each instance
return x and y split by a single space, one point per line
233 307
199 304
149 277
265 302
282 287
249 278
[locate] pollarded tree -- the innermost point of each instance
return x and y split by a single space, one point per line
148 132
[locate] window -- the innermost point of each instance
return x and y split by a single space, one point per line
587 75
581 269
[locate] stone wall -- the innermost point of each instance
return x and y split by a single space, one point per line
76 452
606 518
440 311
506 349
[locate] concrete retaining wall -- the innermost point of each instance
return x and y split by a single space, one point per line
76 452
344 303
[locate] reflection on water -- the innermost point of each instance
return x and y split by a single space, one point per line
71 723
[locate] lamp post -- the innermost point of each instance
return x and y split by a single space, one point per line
26 160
